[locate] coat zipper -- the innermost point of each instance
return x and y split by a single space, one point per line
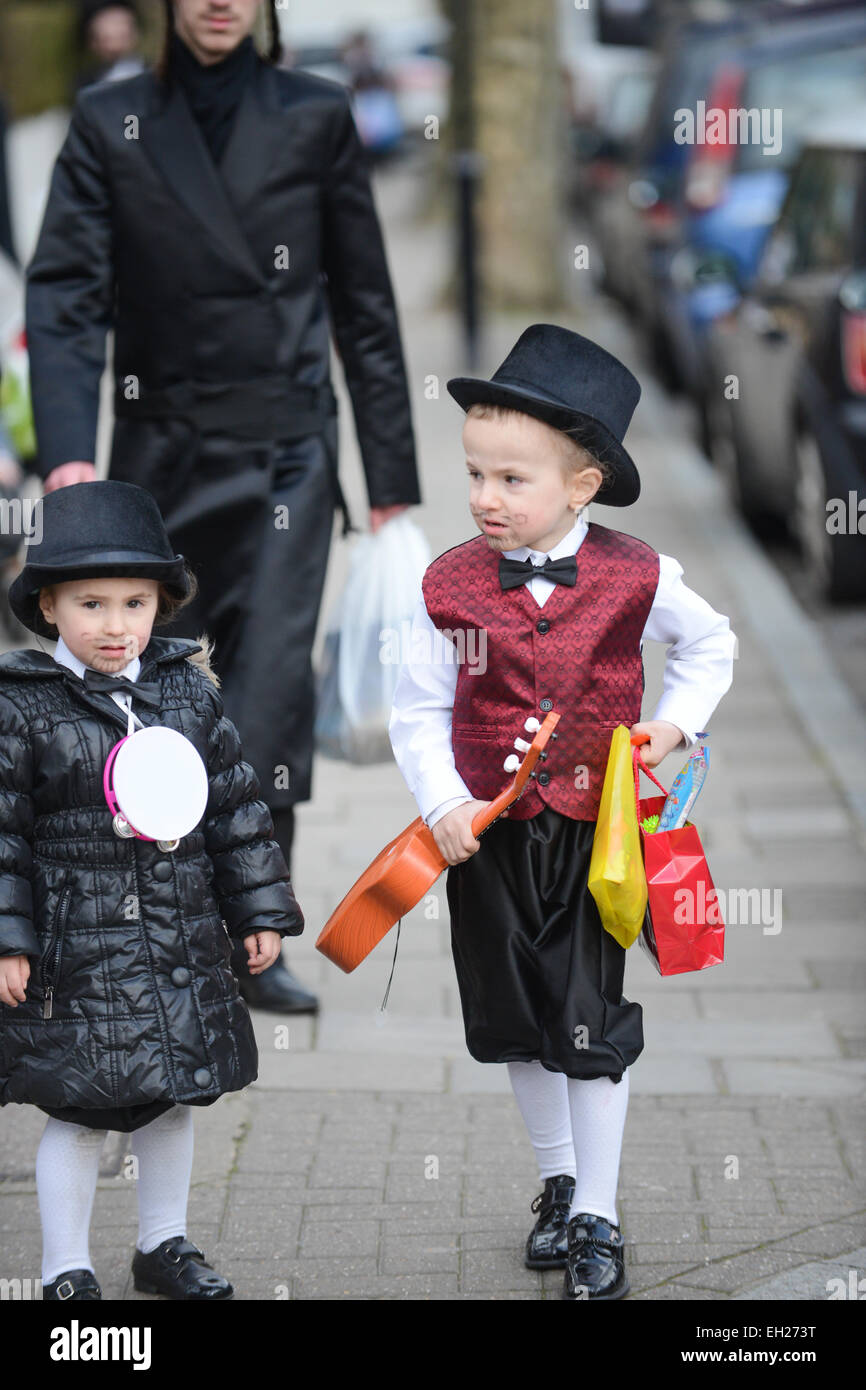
55 950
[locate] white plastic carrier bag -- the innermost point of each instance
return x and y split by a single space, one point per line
366 640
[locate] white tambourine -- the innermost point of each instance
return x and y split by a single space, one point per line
156 786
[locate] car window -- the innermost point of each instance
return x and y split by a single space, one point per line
817 225
805 89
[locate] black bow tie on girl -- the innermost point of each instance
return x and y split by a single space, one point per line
513 573
149 694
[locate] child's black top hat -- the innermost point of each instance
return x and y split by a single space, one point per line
569 382
100 528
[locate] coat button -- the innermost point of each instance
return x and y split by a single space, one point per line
544 778
202 1078
162 871
542 625
545 705
180 976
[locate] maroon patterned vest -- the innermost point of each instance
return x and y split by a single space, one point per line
578 655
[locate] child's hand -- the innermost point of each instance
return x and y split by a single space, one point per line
14 974
453 833
664 738
263 947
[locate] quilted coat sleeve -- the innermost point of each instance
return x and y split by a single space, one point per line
364 317
17 933
252 881
70 297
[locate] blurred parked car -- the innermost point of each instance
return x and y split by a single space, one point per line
687 204
636 217
792 441
610 96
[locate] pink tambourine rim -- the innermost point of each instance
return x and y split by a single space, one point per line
108 789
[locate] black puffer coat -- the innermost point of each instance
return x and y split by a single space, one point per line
133 941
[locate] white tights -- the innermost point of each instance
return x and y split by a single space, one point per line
575 1127
67 1167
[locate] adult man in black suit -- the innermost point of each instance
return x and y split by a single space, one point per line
217 214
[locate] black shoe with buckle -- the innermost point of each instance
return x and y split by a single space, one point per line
547 1246
178 1269
76 1284
595 1269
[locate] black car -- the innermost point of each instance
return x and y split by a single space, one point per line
787 408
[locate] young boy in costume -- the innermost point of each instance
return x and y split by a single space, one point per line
557 610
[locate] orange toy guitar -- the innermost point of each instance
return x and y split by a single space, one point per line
399 877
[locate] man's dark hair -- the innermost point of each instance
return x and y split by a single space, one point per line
273 55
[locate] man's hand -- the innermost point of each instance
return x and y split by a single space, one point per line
263 947
453 833
68 473
664 738
10 470
379 515
14 974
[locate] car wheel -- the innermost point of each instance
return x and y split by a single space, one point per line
663 360
702 426
725 453
835 564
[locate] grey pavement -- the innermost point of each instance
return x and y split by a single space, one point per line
373 1158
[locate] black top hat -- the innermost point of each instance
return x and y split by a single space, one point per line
569 382
100 528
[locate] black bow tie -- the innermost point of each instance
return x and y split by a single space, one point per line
513 573
149 694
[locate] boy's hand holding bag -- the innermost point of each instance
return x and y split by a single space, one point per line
683 929
616 872
656 885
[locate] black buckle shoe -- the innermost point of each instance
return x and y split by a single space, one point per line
275 990
595 1269
78 1285
547 1246
178 1269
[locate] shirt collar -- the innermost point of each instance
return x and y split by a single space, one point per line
569 545
65 657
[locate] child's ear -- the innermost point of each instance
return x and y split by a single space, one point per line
585 485
46 604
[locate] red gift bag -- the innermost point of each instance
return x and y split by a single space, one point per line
683 929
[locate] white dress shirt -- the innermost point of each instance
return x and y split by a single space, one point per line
65 657
698 671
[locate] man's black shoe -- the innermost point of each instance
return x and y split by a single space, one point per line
547 1246
276 989
76 1285
595 1270
178 1269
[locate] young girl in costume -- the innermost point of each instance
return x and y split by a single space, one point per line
118 1007
559 609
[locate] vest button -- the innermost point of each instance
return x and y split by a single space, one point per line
180 976
545 705
162 871
542 625
544 778
202 1078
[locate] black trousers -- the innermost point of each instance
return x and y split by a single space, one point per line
539 977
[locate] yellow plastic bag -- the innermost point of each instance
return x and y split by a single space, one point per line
617 879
